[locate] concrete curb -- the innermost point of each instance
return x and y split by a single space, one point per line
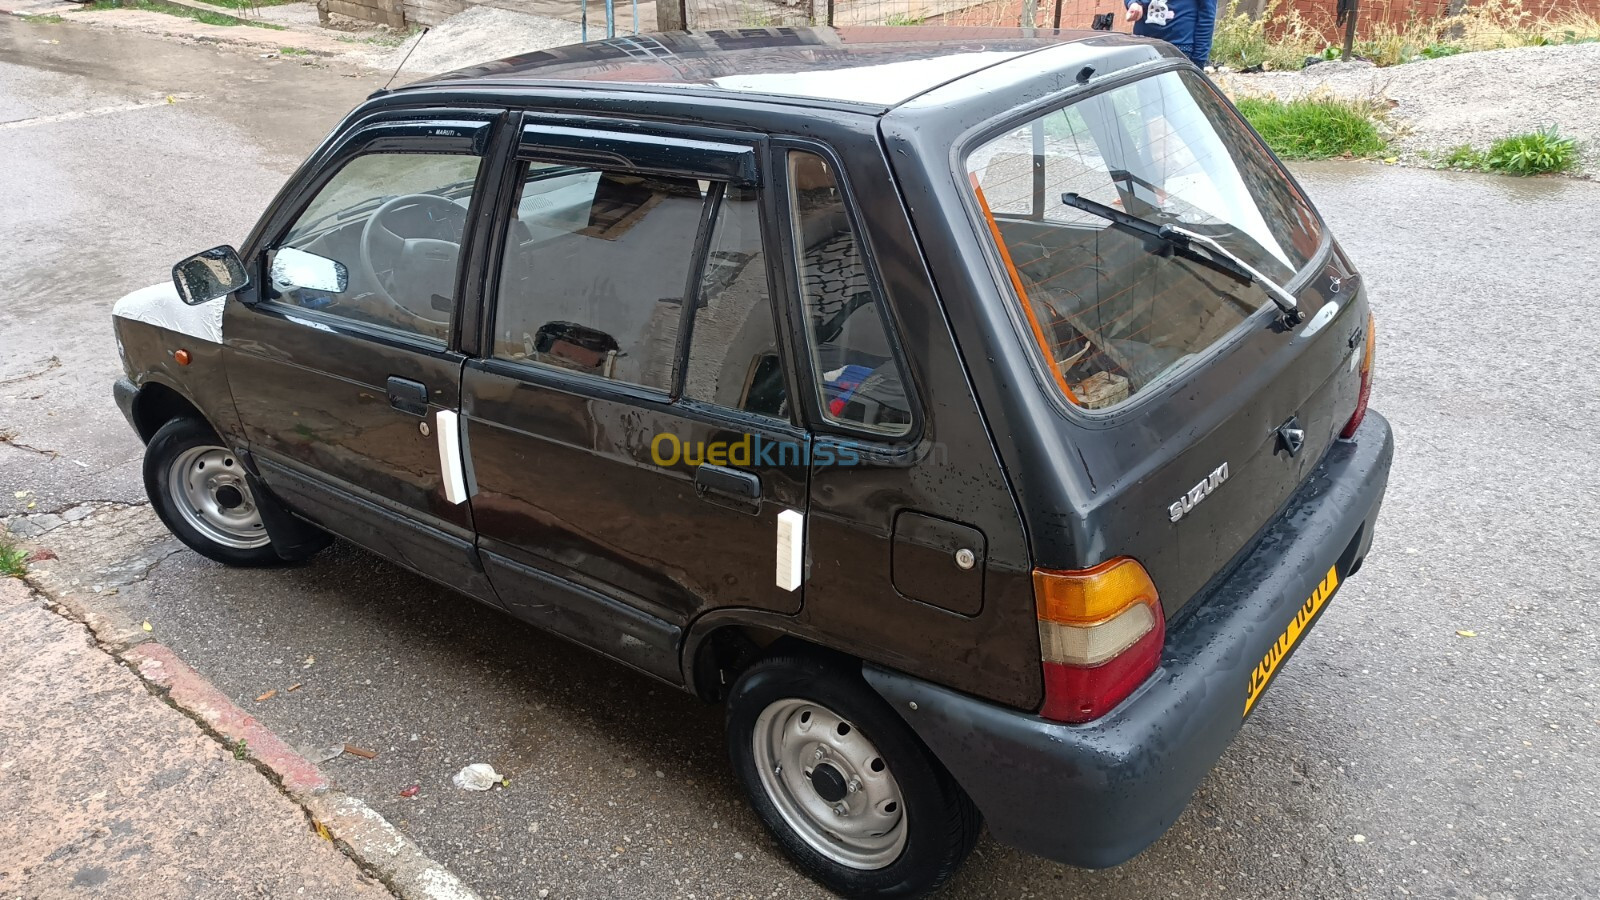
360 831
366 836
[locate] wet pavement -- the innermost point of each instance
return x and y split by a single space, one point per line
105 789
1392 756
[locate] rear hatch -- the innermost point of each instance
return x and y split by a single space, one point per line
1194 407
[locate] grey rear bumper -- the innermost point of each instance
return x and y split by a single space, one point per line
1095 795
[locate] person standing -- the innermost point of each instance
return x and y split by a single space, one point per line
1186 24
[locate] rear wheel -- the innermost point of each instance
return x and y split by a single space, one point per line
843 784
198 488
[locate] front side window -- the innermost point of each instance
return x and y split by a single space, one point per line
859 379
595 267
380 244
1116 311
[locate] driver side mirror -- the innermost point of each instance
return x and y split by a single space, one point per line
299 269
209 274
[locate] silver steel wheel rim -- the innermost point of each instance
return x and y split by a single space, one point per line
207 486
863 829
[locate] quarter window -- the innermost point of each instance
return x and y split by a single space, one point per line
733 352
594 272
858 379
387 229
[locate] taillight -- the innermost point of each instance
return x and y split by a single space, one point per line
1101 631
1366 380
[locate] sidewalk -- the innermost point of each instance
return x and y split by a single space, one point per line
104 786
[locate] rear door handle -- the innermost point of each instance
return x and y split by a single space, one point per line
408 396
733 484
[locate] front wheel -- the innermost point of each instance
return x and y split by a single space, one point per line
842 783
198 488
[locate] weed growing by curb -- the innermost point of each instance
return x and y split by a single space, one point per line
1539 152
1313 127
1535 153
13 559
51 19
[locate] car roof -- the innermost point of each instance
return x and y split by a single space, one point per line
879 67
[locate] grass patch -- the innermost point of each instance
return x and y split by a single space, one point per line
1313 127
901 19
183 12
293 51
13 559
1541 152
51 19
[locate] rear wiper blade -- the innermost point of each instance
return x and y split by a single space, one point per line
1182 240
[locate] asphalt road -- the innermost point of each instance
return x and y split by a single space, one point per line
1393 757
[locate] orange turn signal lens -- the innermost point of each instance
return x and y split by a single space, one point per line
181 357
1089 596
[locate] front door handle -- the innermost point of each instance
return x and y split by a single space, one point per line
719 482
408 396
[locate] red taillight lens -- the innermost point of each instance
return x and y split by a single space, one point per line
1101 631
1077 694
1367 359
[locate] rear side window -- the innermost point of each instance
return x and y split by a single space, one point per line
859 379
1116 312
733 350
594 272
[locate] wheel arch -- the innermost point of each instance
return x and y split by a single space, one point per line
723 643
156 403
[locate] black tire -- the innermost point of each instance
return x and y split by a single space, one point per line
941 824
167 448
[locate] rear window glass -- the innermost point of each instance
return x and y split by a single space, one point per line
1114 311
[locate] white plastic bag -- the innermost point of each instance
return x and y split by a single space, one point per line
476 777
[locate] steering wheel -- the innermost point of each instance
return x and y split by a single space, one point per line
410 271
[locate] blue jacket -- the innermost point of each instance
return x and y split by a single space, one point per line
1189 28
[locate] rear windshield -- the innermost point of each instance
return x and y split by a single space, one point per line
1114 311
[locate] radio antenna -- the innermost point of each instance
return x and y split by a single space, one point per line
403 59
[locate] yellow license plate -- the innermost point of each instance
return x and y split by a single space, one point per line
1268 667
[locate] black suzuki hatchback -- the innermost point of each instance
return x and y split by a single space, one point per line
981 416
